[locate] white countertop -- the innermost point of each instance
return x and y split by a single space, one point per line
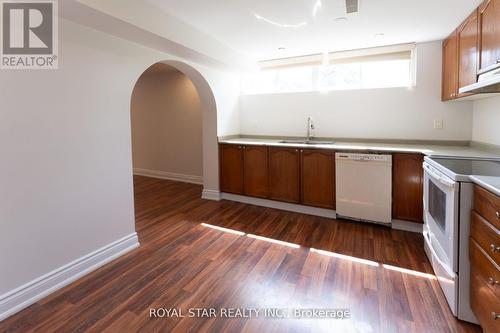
492 184
426 149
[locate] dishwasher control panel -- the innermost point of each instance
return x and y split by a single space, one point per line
363 157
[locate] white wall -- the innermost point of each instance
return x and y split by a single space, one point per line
66 171
486 123
166 123
392 113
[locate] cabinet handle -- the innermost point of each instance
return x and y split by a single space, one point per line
493 282
495 248
495 316
498 214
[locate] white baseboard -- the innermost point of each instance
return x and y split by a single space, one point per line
407 226
22 297
169 175
211 195
329 213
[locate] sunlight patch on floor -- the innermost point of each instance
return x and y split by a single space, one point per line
231 231
345 257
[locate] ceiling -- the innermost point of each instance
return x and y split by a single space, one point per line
270 29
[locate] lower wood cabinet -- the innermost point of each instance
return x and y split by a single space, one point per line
407 187
284 174
318 178
255 171
231 168
484 253
307 176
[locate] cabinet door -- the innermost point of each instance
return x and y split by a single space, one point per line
489 35
256 180
231 168
284 174
407 187
450 68
467 51
318 178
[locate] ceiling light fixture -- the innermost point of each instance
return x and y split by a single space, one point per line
317 7
281 25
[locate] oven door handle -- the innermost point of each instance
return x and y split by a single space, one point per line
431 173
438 178
447 182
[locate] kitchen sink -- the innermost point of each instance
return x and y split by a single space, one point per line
310 142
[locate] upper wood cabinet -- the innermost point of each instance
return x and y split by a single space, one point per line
450 68
467 35
407 187
318 178
489 35
284 174
472 49
231 168
255 170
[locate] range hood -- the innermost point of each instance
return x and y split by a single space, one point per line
488 82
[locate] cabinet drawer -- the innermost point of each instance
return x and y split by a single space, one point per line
487 236
485 270
487 205
483 297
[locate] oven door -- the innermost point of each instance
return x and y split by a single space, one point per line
441 231
441 205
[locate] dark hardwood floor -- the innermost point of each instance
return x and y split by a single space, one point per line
381 275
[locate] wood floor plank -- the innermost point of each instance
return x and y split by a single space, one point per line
183 264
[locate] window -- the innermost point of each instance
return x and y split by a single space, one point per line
364 69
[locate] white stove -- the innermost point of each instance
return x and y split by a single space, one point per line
448 198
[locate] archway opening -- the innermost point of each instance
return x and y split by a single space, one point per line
174 128
166 124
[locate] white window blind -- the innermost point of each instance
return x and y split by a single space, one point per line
384 67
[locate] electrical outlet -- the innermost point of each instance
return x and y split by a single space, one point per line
438 124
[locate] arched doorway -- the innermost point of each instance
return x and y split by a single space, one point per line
207 104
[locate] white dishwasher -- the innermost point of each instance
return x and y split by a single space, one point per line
364 187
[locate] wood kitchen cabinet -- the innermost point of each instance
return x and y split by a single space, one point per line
450 68
231 168
467 37
307 176
489 35
408 184
284 174
484 253
471 50
255 171
318 178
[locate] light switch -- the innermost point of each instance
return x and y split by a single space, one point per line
438 124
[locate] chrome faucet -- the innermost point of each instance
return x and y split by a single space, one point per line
310 128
